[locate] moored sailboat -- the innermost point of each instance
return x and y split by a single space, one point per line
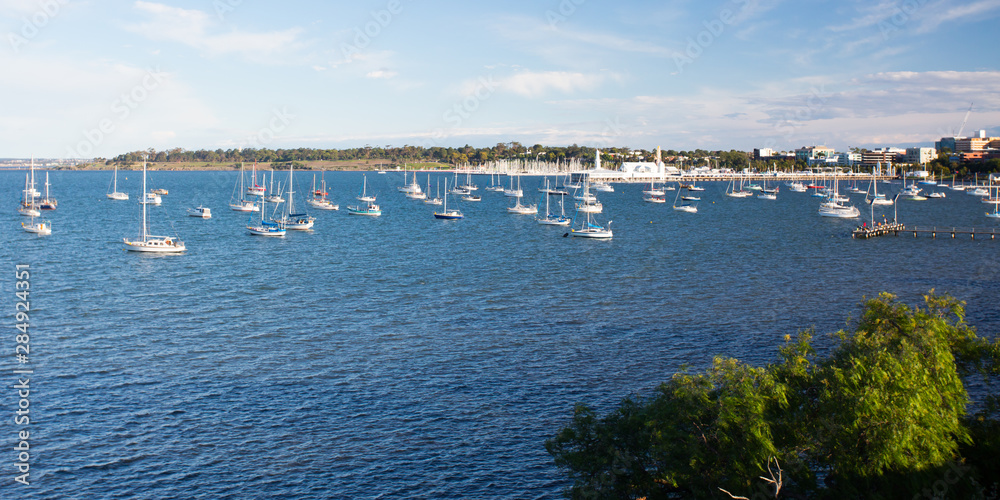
147 242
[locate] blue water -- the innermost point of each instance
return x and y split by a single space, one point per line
403 356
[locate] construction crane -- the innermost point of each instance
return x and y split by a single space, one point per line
967 113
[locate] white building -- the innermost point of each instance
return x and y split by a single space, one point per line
920 156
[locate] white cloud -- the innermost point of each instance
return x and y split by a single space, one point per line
200 30
531 84
381 73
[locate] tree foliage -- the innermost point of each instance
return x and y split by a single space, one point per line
883 415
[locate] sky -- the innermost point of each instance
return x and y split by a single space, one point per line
83 79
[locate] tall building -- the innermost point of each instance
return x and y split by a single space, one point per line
812 152
919 156
885 156
762 153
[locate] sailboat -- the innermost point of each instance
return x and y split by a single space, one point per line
29 202
768 193
369 208
877 199
495 186
520 209
241 204
684 207
318 199
265 227
652 192
514 193
255 189
995 214
289 219
833 208
147 242
42 227
468 186
732 192
275 196
47 203
590 229
552 219
114 194
445 213
437 199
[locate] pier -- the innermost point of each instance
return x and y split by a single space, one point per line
895 229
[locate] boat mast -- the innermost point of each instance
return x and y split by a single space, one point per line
144 200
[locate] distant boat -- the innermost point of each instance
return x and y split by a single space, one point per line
369 208
318 199
518 208
445 213
151 199
468 186
514 193
29 203
200 211
552 219
590 229
275 196
877 198
684 207
42 227
114 194
240 203
265 227
732 192
603 187
437 199
160 191
653 192
254 189
289 218
472 197
150 243
936 194
47 202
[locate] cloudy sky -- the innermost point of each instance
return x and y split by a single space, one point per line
99 78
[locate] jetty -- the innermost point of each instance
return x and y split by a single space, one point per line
895 228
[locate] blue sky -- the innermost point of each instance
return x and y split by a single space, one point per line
89 78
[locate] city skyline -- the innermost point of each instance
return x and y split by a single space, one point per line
89 80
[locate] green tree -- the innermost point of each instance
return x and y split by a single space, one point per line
882 416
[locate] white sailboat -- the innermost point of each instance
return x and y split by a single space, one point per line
240 203
876 198
39 227
275 196
29 203
318 199
114 194
552 219
369 208
437 199
265 227
289 219
147 242
684 207
255 189
520 209
590 229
